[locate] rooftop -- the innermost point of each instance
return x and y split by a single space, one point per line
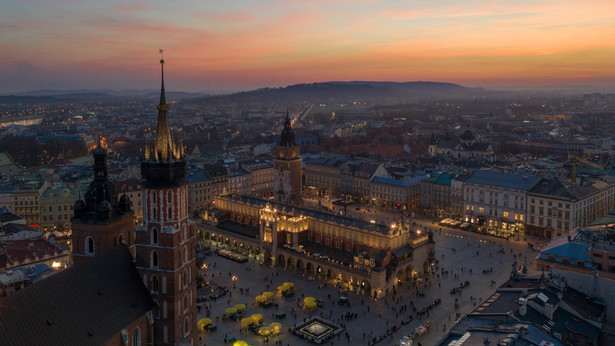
53 309
505 180
315 214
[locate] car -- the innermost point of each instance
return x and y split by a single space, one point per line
454 290
357 208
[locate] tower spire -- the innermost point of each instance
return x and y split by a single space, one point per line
163 133
287 122
163 99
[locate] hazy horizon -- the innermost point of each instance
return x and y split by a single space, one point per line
503 88
249 44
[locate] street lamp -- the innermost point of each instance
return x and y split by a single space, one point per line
234 278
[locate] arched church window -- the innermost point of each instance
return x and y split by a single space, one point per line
154 259
136 337
154 283
89 246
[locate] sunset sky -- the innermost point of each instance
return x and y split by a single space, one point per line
246 44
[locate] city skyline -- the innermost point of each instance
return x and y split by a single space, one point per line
247 45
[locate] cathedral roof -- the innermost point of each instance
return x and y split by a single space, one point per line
83 305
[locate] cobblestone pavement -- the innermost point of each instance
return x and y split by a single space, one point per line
457 252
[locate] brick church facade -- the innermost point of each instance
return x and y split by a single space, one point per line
127 285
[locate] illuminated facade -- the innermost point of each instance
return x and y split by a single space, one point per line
365 257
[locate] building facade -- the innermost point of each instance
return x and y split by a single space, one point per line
436 194
57 208
556 207
165 243
495 200
368 258
100 222
324 176
287 171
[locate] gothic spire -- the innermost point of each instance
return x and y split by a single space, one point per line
163 99
163 133
163 161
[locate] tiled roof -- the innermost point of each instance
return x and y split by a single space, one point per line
83 305
29 250
506 180
442 179
196 175
319 215
575 251
7 217
398 182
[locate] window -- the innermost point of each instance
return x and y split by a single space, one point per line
89 246
154 283
505 214
156 310
185 254
122 239
185 302
187 326
154 236
136 337
185 277
154 259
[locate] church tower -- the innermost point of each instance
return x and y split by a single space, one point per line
166 243
101 222
287 167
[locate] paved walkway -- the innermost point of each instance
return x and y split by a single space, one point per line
374 317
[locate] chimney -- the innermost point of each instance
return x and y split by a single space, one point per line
549 309
523 307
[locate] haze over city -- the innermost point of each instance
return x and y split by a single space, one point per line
241 45
365 172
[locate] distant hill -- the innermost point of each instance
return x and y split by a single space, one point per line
357 90
107 94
